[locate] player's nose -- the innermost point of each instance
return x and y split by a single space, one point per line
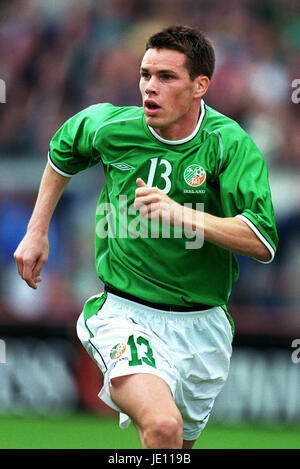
151 87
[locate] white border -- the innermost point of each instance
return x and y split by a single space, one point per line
260 236
186 139
59 171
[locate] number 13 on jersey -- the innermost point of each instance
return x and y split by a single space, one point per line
164 175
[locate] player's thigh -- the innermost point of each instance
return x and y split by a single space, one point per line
145 398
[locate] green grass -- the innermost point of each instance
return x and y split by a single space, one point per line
85 431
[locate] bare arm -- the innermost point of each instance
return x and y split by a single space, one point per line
232 234
32 252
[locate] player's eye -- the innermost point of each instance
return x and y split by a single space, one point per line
145 75
167 77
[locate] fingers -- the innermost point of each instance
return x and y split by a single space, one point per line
29 269
140 183
148 210
146 199
27 273
19 263
144 190
30 257
36 271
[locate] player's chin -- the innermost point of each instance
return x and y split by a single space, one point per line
154 121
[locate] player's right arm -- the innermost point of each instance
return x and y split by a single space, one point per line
32 252
70 151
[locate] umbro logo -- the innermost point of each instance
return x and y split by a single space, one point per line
123 166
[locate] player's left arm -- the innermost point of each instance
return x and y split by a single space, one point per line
230 233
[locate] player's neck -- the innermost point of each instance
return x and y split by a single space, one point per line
182 129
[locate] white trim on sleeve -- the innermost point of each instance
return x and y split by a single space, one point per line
260 236
59 171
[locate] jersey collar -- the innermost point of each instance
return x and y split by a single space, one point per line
189 137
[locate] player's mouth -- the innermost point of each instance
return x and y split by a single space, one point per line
151 107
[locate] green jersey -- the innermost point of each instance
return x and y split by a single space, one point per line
217 169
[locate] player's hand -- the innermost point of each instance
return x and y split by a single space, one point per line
31 256
154 204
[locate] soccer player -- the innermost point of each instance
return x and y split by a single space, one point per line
186 189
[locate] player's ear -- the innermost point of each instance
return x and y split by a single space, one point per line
201 84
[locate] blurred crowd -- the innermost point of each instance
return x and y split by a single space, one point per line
57 57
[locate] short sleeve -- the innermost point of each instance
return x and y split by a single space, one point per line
245 190
71 148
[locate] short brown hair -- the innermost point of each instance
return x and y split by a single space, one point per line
199 51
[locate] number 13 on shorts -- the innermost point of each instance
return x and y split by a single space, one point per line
141 351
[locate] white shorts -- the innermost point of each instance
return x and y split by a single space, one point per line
190 350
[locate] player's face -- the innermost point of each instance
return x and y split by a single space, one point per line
170 97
